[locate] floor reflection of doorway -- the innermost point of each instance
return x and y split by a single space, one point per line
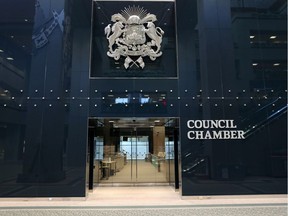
146 175
133 151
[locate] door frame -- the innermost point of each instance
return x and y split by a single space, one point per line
91 149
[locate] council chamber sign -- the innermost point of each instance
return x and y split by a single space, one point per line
213 129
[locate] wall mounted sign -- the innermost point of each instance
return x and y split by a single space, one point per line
213 129
133 40
134 36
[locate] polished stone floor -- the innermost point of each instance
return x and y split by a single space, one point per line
150 201
140 172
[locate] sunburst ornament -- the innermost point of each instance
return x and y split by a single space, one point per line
134 11
134 36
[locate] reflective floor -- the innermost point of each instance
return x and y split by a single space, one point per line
143 196
142 201
145 173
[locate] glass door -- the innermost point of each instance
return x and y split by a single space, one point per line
139 167
134 162
134 148
136 152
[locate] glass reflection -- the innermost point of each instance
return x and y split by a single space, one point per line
232 65
248 52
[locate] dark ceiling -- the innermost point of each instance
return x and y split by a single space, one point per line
14 11
17 16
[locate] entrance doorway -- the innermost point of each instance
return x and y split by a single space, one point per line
133 151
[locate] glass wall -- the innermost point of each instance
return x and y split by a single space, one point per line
43 151
222 72
240 47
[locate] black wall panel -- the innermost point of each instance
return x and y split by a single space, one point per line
222 60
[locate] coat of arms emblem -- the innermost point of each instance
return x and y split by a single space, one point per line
134 36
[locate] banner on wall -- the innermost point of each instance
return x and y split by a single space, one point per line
42 38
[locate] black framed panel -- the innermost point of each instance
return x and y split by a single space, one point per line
140 48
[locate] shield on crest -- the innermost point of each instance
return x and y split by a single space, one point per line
135 35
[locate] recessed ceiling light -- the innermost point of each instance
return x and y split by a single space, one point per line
255 64
273 37
12 36
252 36
276 64
1 50
26 20
10 58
